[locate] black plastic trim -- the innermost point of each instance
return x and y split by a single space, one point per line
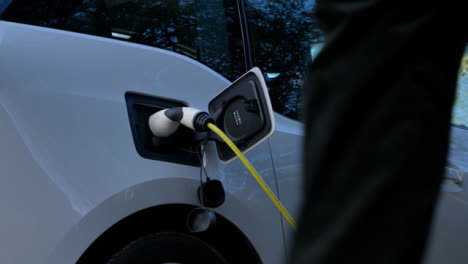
180 148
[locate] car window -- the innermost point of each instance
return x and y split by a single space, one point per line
282 34
460 108
207 31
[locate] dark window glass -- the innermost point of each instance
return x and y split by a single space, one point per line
282 34
207 31
460 108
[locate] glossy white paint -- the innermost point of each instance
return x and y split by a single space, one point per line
286 147
68 165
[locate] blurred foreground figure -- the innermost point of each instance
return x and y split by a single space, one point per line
379 100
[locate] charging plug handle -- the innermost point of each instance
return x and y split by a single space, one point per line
166 122
201 122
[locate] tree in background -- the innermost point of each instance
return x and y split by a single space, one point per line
282 34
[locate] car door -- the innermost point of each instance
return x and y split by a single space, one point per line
65 69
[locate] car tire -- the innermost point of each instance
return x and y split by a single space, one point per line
168 247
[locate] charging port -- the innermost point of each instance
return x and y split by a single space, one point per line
181 147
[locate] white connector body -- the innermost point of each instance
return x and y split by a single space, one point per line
161 126
166 122
189 117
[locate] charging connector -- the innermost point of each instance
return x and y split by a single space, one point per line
243 111
166 122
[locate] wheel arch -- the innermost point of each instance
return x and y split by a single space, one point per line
157 205
226 238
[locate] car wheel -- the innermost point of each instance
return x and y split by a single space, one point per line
167 247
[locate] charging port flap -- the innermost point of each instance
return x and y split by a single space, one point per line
244 112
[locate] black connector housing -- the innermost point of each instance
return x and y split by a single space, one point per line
201 122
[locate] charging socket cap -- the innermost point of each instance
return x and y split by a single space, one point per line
243 111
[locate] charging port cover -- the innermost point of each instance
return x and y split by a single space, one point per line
243 111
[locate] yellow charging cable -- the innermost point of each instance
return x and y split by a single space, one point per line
255 174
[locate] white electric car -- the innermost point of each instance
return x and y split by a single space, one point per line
80 179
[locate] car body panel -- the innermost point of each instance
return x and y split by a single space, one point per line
286 147
71 169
